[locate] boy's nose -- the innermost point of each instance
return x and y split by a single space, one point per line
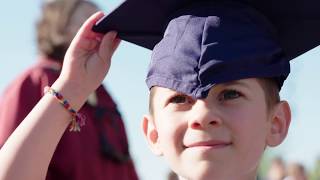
204 116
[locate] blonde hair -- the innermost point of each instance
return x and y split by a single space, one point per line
52 35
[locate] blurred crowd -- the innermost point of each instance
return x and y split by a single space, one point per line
281 170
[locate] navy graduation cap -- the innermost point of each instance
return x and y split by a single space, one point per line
197 44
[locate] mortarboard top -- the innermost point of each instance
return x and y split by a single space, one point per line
143 22
198 44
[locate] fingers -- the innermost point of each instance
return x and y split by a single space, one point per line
109 44
116 44
85 38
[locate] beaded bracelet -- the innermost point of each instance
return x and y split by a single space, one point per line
77 119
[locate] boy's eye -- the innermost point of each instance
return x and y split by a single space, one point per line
229 95
179 99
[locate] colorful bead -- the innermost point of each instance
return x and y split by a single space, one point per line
77 120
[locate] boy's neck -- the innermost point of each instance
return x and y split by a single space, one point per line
249 178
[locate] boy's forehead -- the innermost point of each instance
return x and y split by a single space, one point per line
214 43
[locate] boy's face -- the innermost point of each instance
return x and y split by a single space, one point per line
220 137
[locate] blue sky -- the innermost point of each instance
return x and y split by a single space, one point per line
126 83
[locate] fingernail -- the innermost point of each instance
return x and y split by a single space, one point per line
114 34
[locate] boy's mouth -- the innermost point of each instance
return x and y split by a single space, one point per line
210 143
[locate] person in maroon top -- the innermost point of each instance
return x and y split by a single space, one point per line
100 151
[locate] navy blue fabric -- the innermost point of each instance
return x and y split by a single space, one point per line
143 22
213 43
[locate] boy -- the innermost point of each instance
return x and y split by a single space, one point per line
214 100
220 137
211 79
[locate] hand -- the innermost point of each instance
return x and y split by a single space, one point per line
88 58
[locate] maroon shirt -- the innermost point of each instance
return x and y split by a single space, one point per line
98 152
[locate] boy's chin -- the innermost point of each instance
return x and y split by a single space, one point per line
210 172
205 176
203 171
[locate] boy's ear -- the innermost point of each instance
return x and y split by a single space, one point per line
151 134
280 122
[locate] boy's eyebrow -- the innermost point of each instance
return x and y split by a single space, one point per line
237 82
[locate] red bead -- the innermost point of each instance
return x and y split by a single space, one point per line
59 96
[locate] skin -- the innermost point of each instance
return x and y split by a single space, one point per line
86 63
220 137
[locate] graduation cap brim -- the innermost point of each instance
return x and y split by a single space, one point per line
143 22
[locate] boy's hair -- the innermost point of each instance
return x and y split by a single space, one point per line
271 91
51 28
269 86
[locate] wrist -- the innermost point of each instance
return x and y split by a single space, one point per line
71 91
